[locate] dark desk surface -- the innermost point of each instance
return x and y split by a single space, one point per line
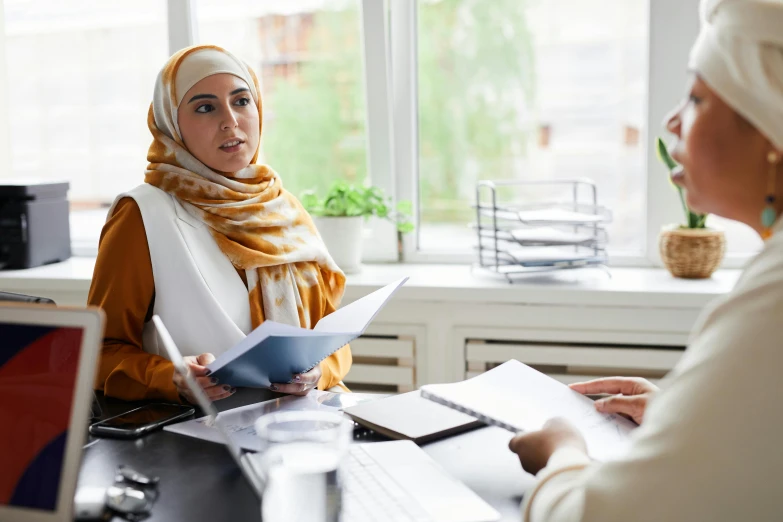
200 481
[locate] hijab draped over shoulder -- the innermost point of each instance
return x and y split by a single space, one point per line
258 225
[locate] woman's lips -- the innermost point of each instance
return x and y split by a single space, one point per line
678 176
232 148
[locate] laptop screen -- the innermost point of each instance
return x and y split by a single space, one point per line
38 369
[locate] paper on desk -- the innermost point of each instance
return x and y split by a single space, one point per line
240 422
518 398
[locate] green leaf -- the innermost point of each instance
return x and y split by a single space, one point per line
664 156
310 201
685 208
405 207
356 198
693 220
344 199
405 228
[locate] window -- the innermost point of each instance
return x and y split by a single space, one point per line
80 80
513 89
81 75
308 56
425 96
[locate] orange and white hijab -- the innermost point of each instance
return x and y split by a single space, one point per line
258 225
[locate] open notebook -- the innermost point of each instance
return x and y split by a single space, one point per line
274 352
518 398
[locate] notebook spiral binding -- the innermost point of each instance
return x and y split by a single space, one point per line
489 421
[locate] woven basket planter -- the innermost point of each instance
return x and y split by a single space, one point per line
691 253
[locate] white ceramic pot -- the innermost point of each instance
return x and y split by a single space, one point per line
343 239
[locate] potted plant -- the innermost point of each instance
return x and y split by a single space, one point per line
692 250
340 215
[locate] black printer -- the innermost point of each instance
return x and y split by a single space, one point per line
34 224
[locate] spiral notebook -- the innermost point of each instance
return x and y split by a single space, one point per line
515 397
274 352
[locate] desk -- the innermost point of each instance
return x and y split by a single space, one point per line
200 482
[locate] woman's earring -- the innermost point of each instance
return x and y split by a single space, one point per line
769 215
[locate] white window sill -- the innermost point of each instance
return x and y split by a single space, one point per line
628 287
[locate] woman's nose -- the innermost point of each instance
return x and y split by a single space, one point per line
673 121
230 121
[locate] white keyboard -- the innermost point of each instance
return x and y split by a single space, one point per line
370 493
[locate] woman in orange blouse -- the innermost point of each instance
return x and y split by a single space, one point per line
211 242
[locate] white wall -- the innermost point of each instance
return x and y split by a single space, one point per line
5 140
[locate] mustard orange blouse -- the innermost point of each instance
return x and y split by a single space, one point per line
123 286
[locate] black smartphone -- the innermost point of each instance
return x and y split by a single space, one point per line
140 421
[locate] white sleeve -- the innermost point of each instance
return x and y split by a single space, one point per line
558 491
709 448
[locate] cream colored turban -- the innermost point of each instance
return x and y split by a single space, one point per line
739 53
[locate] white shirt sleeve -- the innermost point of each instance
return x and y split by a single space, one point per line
710 447
557 489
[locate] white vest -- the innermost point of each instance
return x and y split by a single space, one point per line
198 293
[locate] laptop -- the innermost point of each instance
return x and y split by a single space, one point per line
48 358
385 480
95 411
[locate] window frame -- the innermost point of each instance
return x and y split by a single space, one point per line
182 24
381 242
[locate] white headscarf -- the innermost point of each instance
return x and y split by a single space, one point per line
739 53
259 226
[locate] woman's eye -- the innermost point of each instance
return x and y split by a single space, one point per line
694 99
243 101
205 108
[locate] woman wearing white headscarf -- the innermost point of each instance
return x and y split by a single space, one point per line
709 444
211 242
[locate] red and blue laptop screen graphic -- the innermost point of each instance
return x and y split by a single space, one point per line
38 370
